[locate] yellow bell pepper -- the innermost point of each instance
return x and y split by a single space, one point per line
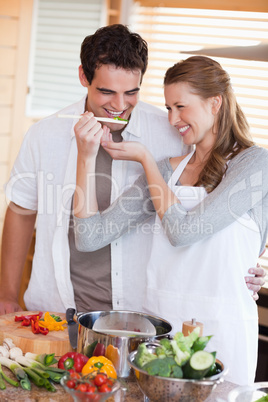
99 364
51 324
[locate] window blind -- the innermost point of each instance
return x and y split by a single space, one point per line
170 32
59 28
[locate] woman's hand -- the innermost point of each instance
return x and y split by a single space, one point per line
88 132
129 150
256 282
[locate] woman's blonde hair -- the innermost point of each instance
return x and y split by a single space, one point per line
208 79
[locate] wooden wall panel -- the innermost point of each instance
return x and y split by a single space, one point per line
6 90
8 58
5 148
8 32
5 118
3 174
10 8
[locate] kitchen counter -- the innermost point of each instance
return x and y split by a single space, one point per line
132 394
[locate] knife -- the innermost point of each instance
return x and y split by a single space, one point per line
72 327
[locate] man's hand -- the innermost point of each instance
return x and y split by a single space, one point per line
88 132
8 306
256 282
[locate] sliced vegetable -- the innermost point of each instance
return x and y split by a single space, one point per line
37 329
29 317
199 365
51 323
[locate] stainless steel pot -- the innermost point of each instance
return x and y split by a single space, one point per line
115 348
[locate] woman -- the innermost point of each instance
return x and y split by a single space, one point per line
213 207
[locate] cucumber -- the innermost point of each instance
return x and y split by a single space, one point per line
201 343
199 365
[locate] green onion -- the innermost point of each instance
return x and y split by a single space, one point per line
2 383
9 380
18 371
36 379
52 373
45 359
49 386
56 377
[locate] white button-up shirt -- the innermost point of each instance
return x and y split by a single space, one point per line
43 179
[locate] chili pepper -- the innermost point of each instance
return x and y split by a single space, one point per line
72 360
99 364
29 317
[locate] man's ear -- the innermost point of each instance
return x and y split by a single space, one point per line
216 104
82 77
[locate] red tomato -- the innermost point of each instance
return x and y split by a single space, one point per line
71 384
104 388
75 375
110 382
82 387
100 379
91 388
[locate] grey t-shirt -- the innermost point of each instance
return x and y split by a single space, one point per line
91 272
244 189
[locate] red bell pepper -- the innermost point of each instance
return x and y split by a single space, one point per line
36 329
26 323
28 317
72 361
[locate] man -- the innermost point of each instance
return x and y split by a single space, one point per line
42 183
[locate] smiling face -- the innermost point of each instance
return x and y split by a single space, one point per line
114 92
192 115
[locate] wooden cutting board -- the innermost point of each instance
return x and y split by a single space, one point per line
54 342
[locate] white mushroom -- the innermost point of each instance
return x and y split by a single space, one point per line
14 352
8 343
4 352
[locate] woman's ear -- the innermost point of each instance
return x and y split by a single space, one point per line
82 77
216 104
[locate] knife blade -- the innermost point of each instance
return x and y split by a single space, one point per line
72 327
